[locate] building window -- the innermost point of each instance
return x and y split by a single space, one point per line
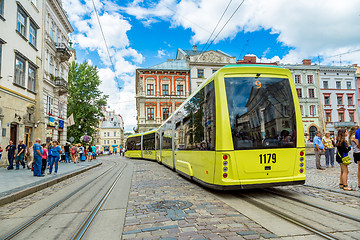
114 134
299 92
49 105
338 85
150 89
114 141
104 134
341 117
350 100
31 78
51 30
104 141
310 79
214 71
165 113
312 110
2 7
351 115
327 100
339 100
108 134
51 64
348 85
328 117
19 71
21 22
326 84
200 73
61 109
297 79
180 90
33 34
150 113
311 93
302 110
165 89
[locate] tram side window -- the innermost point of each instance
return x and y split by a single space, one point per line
195 125
149 141
134 143
166 134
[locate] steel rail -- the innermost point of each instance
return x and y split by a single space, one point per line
315 205
86 223
289 218
52 207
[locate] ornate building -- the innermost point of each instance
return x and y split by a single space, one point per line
203 64
306 78
20 70
160 90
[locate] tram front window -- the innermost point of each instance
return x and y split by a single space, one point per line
262 113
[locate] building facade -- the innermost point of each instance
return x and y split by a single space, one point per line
160 90
55 55
203 64
357 78
20 70
110 132
339 96
306 78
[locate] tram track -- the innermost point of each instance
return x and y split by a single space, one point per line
332 190
23 227
264 203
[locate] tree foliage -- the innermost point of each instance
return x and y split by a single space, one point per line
85 99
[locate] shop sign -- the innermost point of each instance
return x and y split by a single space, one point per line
61 123
51 122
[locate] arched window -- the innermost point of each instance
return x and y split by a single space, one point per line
312 131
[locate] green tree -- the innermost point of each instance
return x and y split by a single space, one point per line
85 99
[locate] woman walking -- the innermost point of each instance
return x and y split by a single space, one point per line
343 149
329 145
356 149
44 158
55 156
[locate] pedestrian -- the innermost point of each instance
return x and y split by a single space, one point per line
38 152
50 146
55 156
11 149
81 152
357 157
1 150
20 156
73 153
89 153
343 148
93 150
67 152
30 156
329 145
44 158
319 149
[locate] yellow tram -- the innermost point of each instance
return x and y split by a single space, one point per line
242 128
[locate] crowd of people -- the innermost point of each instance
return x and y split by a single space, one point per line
345 141
39 158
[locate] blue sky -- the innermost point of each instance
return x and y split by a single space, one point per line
143 33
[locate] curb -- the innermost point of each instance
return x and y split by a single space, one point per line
23 193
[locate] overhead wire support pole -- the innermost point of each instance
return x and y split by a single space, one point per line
106 45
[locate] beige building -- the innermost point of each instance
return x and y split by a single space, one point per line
20 70
203 64
110 132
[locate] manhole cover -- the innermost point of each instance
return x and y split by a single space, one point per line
169 204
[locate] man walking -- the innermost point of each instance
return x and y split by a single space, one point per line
38 152
11 149
20 156
319 149
67 152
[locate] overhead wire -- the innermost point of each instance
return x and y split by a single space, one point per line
106 45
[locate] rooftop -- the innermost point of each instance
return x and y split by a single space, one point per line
110 124
171 65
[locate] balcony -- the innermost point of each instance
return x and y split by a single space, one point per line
61 85
63 52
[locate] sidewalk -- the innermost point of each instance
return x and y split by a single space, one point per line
17 180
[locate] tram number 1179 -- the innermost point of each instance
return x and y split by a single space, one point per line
266 158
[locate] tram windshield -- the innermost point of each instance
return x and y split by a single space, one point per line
262 113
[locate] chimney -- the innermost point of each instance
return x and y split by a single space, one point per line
194 48
249 59
355 65
306 62
170 60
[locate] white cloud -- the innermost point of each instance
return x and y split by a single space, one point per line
162 53
89 38
310 27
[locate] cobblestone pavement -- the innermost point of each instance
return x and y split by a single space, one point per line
201 216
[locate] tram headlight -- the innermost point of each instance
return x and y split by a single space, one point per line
301 159
225 169
225 163
301 165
